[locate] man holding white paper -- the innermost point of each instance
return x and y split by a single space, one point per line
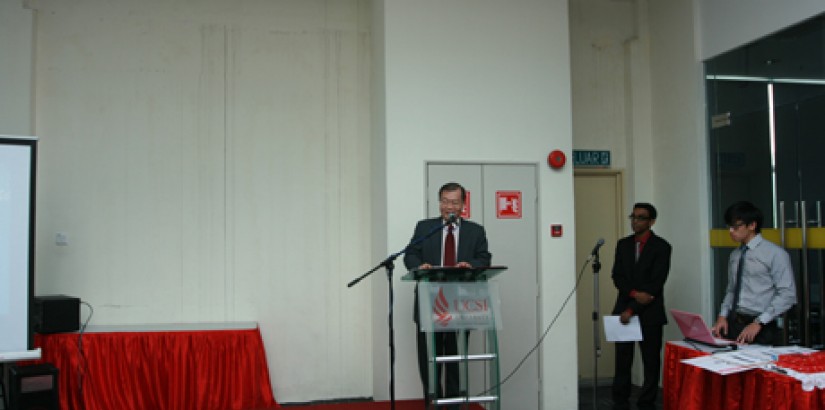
616 331
640 269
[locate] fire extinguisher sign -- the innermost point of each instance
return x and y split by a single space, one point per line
508 204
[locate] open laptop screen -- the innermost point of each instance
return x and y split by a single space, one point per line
693 328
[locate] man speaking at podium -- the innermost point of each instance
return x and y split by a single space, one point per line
462 244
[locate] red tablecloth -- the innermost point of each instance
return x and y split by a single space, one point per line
688 387
175 370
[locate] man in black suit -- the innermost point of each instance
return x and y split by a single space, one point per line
469 243
640 269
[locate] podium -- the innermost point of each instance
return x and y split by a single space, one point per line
461 300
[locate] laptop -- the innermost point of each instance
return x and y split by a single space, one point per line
694 330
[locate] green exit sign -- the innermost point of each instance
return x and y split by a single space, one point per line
591 158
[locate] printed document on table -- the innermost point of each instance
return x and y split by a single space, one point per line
718 365
747 357
616 331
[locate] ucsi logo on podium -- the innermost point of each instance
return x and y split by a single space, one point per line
472 305
465 311
441 309
458 306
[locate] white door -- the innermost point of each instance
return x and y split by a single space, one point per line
513 241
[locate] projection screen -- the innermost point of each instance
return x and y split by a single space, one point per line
17 188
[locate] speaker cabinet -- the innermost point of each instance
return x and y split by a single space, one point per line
56 314
33 387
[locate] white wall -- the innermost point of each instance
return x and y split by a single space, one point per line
599 33
16 68
725 25
478 81
680 156
610 53
209 161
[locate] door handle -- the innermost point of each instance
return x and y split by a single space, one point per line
804 227
806 298
782 224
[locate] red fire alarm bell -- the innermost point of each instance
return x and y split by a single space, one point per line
556 159
555 231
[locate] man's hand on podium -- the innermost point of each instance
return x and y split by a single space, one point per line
458 265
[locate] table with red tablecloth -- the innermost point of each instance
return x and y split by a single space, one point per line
688 387
205 369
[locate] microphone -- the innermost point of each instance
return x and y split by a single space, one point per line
599 244
451 218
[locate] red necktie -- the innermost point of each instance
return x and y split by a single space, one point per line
449 247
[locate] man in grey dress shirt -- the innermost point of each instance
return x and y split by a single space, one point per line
759 291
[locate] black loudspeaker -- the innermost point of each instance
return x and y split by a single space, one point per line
56 314
33 387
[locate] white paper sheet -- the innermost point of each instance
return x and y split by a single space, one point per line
746 358
616 331
718 365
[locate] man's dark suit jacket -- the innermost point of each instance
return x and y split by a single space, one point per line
646 275
472 247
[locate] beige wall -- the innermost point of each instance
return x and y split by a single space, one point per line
211 163
16 68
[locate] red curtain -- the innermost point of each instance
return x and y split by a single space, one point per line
688 387
178 370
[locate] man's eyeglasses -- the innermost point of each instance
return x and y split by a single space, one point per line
736 225
638 218
450 202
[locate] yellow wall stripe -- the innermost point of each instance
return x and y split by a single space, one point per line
720 238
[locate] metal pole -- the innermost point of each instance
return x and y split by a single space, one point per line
596 347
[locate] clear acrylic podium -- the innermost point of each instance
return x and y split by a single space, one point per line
461 300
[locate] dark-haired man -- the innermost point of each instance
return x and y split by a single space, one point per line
761 283
640 269
468 243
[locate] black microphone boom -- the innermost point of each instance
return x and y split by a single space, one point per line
599 244
451 218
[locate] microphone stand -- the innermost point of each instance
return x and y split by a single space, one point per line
596 347
389 264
